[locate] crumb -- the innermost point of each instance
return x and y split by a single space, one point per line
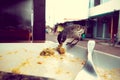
39 62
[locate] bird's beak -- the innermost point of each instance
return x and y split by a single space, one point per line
61 39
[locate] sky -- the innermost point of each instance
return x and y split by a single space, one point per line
58 10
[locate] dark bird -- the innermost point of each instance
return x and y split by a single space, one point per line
71 31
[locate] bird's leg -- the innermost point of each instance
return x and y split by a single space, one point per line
69 43
75 43
77 40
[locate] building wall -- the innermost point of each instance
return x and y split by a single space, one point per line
107 17
109 6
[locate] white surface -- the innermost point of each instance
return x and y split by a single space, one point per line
83 75
17 55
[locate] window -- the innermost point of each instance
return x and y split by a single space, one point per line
97 2
103 1
91 3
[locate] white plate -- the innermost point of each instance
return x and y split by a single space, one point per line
24 58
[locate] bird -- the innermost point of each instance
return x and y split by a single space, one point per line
71 31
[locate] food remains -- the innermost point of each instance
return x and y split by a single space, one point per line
47 52
51 51
60 49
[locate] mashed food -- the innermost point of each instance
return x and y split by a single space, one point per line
47 52
51 51
60 49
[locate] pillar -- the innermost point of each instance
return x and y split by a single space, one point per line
39 20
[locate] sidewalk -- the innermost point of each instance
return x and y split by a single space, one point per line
100 44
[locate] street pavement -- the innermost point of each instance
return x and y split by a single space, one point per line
100 44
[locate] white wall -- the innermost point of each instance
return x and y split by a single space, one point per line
109 6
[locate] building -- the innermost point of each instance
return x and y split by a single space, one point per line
104 19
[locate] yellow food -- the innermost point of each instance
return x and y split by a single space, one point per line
47 52
60 49
51 51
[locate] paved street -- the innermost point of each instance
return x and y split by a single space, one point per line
100 46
